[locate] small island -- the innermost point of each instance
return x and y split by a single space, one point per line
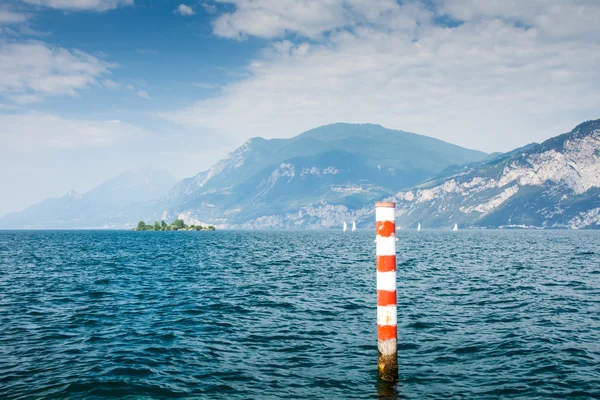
177 225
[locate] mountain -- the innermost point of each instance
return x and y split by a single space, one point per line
460 168
555 184
119 202
316 179
145 184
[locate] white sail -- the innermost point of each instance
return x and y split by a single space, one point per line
345 226
353 226
419 227
455 227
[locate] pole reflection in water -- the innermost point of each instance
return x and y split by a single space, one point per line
387 390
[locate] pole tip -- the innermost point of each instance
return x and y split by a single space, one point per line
385 204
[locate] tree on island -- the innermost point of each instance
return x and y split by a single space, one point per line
177 225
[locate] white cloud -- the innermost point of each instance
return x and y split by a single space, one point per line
492 82
27 30
18 21
273 18
182 9
209 8
11 17
26 98
81 5
551 18
31 71
110 84
29 131
143 94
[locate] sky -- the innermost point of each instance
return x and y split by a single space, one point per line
90 88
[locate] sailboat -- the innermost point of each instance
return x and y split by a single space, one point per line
345 226
419 227
455 228
353 226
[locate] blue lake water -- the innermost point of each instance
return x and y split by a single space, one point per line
236 315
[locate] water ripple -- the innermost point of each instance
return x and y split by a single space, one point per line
481 314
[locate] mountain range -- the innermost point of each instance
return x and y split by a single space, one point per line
334 173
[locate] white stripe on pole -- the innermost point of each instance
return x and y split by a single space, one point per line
386 246
386 281
386 315
385 214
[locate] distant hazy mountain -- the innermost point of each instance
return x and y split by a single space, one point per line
313 180
555 184
119 202
145 184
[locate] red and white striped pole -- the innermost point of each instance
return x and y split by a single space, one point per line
386 290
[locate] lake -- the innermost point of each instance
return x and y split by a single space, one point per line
292 314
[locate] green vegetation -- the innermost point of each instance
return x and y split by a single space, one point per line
177 225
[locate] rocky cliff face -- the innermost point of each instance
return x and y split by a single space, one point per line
555 184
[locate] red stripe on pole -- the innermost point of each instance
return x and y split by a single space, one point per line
386 298
386 263
386 332
385 228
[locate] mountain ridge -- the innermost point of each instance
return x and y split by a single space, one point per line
553 184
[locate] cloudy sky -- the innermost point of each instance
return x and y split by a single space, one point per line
89 88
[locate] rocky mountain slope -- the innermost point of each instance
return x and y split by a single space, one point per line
314 180
555 184
119 202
